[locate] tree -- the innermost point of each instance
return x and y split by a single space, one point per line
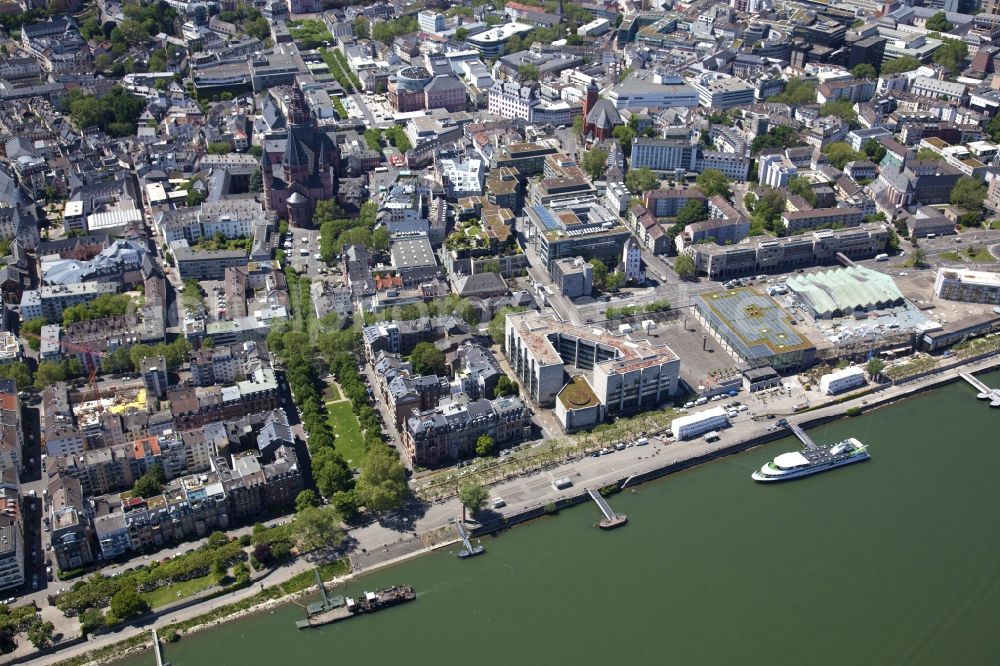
92 620
624 134
345 503
864 71
594 162
330 470
497 325
951 54
840 153
939 23
918 259
380 239
578 127
18 371
32 330
219 570
256 181
130 32
473 496
600 273
40 634
48 373
874 367
528 72
317 528
685 267
641 180
382 485
146 486
126 604
694 210
427 359
713 182
484 445
781 136
874 150
968 193
900 65
505 386
801 186
615 281
797 92
461 34
841 108
305 500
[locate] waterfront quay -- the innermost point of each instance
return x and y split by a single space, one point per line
382 545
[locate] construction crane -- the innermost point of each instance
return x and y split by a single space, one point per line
90 363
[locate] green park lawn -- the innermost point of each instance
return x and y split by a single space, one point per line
344 424
168 593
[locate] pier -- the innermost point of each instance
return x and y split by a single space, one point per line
984 391
158 649
611 519
468 550
803 437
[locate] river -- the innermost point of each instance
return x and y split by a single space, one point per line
892 561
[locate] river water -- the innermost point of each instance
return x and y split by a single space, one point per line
892 561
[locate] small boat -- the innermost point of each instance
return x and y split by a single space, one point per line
465 552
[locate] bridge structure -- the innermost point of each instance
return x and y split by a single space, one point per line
806 440
984 391
611 518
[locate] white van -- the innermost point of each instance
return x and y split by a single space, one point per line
304 251
701 401
882 257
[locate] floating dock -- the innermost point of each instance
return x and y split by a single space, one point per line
611 519
984 391
328 610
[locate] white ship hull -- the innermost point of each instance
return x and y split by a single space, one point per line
766 474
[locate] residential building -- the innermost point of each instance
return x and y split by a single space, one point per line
797 221
450 432
206 264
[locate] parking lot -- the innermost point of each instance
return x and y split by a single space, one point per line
301 248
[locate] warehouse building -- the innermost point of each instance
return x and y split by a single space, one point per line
843 291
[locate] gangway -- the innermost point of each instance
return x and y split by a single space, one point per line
611 519
468 550
984 391
803 437
157 650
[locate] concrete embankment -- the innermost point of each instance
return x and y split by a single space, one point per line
885 394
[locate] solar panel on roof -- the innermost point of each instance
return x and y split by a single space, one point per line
545 217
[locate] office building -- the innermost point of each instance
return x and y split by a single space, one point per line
626 373
968 286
